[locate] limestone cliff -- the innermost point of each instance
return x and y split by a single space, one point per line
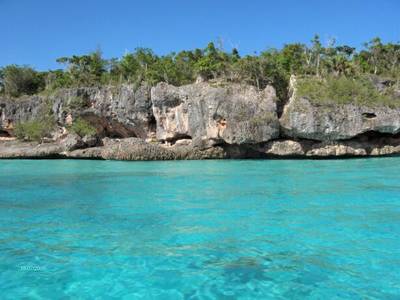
212 115
122 111
303 119
198 121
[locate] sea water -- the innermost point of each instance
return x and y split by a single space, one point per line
247 229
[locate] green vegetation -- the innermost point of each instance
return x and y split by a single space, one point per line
343 90
273 66
16 80
82 128
77 103
34 130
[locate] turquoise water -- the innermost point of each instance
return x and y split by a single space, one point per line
272 229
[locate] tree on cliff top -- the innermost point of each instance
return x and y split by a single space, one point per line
16 80
273 66
85 70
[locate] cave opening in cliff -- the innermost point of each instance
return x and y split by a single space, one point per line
152 124
4 134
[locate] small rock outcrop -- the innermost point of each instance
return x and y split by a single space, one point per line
138 149
213 115
327 149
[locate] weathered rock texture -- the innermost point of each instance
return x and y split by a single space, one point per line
198 121
212 115
20 110
17 149
115 111
329 122
362 146
118 112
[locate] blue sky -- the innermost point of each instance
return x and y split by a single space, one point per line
36 32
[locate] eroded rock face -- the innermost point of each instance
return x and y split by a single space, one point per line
198 121
284 148
122 111
71 142
351 148
19 110
303 119
212 115
138 149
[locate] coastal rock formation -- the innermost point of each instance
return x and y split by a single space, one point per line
213 115
122 111
362 146
20 110
17 149
138 149
304 119
198 121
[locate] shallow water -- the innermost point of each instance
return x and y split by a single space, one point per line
270 229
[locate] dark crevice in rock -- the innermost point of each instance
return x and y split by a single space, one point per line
152 123
283 136
178 137
369 115
371 136
242 151
4 133
280 106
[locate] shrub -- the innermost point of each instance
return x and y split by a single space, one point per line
17 81
77 103
83 128
343 90
34 130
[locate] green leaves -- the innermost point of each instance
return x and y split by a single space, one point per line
83 128
343 90
269 67
34 130
17 80
85 70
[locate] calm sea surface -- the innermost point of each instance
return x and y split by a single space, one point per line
267 229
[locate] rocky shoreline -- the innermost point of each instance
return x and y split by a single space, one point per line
138 149
213 120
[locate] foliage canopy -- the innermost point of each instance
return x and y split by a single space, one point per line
273 66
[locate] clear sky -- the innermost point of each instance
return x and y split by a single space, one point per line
36 32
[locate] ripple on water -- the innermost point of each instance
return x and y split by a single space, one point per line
200 229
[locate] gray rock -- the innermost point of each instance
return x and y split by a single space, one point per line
396 93
22 109
198 121
284 148
17 149
303 119
337 149
351 148
71 142
90 140
121 111
212 115
381 84
138 149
